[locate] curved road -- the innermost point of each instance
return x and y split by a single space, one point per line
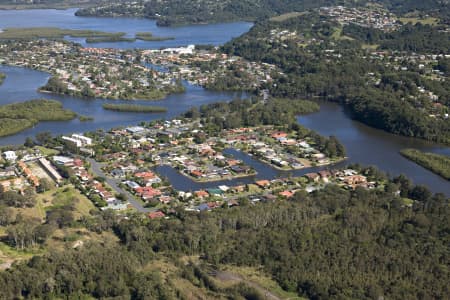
114 184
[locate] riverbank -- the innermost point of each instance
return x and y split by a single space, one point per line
17 117
438 164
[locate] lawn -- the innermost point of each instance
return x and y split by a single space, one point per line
337 35
47 151
414 20
286 16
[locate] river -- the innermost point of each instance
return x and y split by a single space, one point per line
364 145
212 34
370 146
21 84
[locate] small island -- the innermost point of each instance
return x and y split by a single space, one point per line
113 38
2 77
20 116
54 33
149 37
134 108
436 163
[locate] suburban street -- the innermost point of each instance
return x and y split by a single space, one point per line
114 184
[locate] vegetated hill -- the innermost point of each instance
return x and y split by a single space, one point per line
330 244
317 62
175 12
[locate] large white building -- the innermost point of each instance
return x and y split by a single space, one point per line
78 140
10 155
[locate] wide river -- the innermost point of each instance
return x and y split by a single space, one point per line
364 145
214 34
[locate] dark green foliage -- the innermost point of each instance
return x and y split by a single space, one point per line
19 116
13 199
134 108
417 38
437 163
393 105
279 112
97 270
332 243
177 12
239 113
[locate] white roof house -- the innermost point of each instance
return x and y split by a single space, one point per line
10 155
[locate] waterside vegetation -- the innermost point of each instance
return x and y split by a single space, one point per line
134 108
436 163
19 116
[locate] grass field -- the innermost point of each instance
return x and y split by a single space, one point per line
337 35
63 196
425 21
61 238
286 16
258 277
47 151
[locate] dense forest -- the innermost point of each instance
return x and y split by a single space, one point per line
341 70
417 38
331 243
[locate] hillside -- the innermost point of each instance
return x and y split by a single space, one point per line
177 12
329 244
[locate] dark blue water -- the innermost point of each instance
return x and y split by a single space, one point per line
214 34
370 146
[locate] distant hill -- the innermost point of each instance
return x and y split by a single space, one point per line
177 12
30 4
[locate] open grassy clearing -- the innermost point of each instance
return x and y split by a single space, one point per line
64 196
414 20
47 151
259 278
286 16
337 35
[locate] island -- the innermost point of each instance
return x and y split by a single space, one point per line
20 116
2 78
28 33
436 163
134 108
149 37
